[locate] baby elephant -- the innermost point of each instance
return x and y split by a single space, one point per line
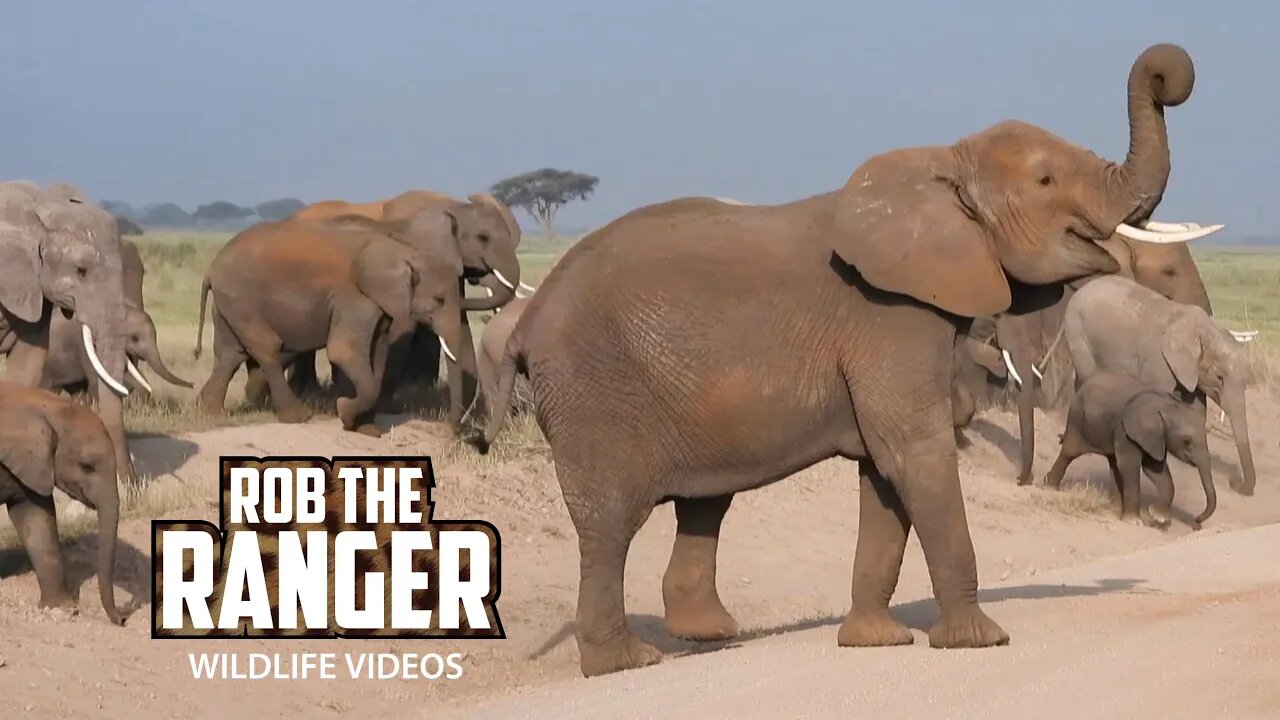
47 441
1135 427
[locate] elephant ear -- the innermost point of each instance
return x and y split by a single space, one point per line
902 223
26 449
20 262
385 275
1181 348
1144 425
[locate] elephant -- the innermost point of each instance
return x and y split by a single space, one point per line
1135 429
62 255
285 287
45 442
729 347
1028 339
67 367
498 271
1114 324
493 341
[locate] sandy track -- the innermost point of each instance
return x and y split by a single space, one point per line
785 566
1139 636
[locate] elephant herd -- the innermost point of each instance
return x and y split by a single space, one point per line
730 344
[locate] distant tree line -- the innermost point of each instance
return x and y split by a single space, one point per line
219 214
541 193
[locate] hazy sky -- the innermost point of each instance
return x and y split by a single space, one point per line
247 100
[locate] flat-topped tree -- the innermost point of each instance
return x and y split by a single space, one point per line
541 193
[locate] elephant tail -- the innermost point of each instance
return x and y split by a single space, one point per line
204 297
500 405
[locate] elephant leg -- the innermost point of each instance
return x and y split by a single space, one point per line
423 352
462 383
352 342
302 374
1073 446
606 522
228 355
883 526
397 367
1158 515
256 392
1026 417
1127 472
693 607
36 521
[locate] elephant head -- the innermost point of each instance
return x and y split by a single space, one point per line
55 246
1168 269
1205 357
1162 424
141 345
482 238
50 442
418 286
1011 202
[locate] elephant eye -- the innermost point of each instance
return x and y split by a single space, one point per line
439 299
1046 180
86 467
484 237
82 272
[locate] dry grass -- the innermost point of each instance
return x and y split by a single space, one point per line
1077 499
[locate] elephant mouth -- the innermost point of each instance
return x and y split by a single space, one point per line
67 313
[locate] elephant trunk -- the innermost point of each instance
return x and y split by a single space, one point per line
1201 458
503 279
1162 76
103 337
449 323
108 506
148 350
1232 402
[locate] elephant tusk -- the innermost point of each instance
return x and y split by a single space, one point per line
111 382
1008 362
488 291
137 375
1165 238
502 279
527 288
1244 336
448 353
1036 370
1156 226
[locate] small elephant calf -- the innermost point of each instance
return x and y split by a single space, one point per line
1135 427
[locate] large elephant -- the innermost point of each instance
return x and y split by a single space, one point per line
1114 324
47 442
288 287
727 347
60 254
67 367
491 263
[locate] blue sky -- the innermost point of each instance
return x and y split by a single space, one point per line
247 100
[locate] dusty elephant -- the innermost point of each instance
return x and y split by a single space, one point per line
727 347
67 367
1135 429
494 266
47 442
1114 324
289 287
62 255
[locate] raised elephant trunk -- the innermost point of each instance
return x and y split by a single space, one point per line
1162 76
108 506
1232 402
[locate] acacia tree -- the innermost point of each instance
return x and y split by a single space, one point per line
541 193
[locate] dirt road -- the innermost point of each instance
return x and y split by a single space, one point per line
1188 630
1189 627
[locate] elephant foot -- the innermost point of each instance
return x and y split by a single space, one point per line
1157 518
873 629
368 429
703 621
59 601
295 414
625 653
1024 481
967 627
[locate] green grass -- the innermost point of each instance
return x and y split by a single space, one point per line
1244 287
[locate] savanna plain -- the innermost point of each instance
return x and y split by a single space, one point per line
1108 618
